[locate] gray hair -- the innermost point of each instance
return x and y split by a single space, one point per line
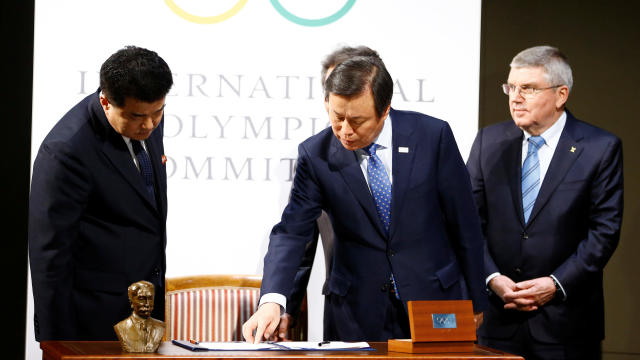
556 65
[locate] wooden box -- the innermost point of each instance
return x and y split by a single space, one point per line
438 326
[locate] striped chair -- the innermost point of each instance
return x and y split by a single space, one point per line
214 307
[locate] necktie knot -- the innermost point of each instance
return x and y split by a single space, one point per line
536 141
137 146
371 149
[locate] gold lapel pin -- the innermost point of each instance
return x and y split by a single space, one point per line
573 149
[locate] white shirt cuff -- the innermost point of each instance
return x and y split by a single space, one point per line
490 277
564 294
274 298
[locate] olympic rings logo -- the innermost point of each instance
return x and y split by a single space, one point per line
276 5
205 19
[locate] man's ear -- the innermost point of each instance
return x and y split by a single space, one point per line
104 102
562 95
386 112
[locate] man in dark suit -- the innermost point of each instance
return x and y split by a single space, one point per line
325 231
549 192
98 204
413 240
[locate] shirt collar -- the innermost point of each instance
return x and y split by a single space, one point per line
551 136
384 138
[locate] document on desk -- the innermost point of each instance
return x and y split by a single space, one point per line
281 346
325 345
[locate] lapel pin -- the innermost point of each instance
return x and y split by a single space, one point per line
164 159
403 149
573 149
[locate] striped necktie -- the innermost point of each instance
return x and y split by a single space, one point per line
531 176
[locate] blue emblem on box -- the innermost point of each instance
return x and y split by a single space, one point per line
444 321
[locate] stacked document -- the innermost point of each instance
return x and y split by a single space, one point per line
284 345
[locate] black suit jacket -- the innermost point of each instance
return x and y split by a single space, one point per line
434 238
572 232
93 227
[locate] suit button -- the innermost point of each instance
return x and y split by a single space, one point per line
525 235
518 271
384 287
390 253
156 272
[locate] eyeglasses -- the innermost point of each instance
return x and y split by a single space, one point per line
525 91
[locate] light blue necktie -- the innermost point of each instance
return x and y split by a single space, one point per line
531 176
380 186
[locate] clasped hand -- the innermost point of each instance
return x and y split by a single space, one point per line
526 295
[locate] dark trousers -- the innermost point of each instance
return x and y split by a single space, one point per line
523 344
396 324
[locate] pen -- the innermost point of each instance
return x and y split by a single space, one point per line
323 343
274 343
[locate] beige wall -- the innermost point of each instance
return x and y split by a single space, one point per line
602 41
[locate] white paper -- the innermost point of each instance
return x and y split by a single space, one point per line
314 345
287 345
240 345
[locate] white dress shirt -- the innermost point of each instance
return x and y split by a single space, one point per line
551 137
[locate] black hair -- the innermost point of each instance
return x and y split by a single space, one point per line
342 54
357 74
135 72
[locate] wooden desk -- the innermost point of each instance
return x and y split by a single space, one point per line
103 350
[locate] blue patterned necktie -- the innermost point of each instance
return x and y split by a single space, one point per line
531 176
380 186
146 170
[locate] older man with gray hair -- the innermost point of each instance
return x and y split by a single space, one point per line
549 192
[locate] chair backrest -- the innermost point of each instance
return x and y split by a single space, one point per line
214 307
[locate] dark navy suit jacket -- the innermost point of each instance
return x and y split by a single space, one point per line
572 232
435 243
93 227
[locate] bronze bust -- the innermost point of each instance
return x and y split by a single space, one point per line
140 332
